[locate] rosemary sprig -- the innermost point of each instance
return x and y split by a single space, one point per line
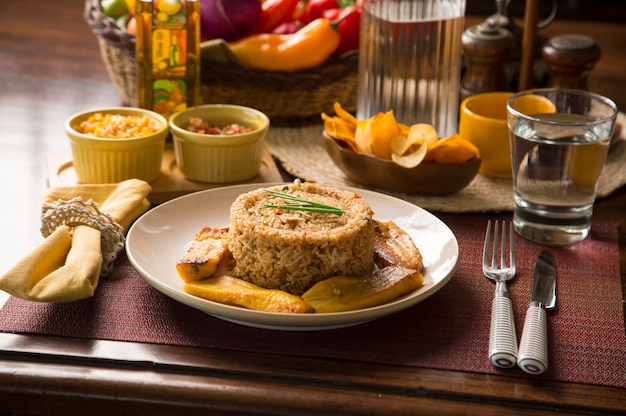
304 204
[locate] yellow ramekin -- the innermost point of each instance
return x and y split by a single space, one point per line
215 158
111 160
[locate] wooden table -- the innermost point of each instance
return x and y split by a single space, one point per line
51 68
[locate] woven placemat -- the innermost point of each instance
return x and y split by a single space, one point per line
449 330
302 154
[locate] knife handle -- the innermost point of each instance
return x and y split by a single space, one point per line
533 352
502 338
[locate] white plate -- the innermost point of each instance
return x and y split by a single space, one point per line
160 237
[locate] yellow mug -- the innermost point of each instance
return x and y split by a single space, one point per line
483 119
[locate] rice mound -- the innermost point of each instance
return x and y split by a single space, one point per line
292 250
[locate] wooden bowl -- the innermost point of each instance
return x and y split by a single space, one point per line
424 179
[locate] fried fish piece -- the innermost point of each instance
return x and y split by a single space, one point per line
238 292
348 293
207 255
394 246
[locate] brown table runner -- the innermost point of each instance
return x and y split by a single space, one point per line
449 330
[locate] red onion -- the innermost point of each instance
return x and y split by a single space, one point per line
228 19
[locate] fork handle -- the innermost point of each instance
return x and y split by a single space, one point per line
533 352
502 337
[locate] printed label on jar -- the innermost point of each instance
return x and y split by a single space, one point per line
170 12
169 95
169 53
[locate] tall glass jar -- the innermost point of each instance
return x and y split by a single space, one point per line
410 61
168 55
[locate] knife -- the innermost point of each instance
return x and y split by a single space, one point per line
533 351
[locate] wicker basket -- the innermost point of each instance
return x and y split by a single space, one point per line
287 98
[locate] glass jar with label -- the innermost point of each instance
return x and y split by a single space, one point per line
168 54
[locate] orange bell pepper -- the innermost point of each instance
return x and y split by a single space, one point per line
309 47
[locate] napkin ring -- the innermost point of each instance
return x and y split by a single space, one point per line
76 212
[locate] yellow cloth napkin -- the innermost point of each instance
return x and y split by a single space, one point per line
66 266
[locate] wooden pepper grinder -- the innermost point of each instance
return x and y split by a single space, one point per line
570 59
486 46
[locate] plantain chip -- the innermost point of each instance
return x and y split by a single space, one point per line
410 151
383 133
364 132
454 149
344 115
410 160
408 146
342 126
404 129
340 129
420 134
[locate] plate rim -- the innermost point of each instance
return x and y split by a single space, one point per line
285 321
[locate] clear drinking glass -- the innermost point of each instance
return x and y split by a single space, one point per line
410 61
559 143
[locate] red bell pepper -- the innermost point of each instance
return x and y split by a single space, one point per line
314 9
287 28
273 14
349 26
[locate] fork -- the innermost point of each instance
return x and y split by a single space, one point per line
502 337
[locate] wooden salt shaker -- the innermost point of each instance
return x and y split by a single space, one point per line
486 46
570 59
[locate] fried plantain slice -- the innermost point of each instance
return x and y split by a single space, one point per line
347 293
208 254
233 291
394 246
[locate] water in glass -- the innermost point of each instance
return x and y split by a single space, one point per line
555 173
